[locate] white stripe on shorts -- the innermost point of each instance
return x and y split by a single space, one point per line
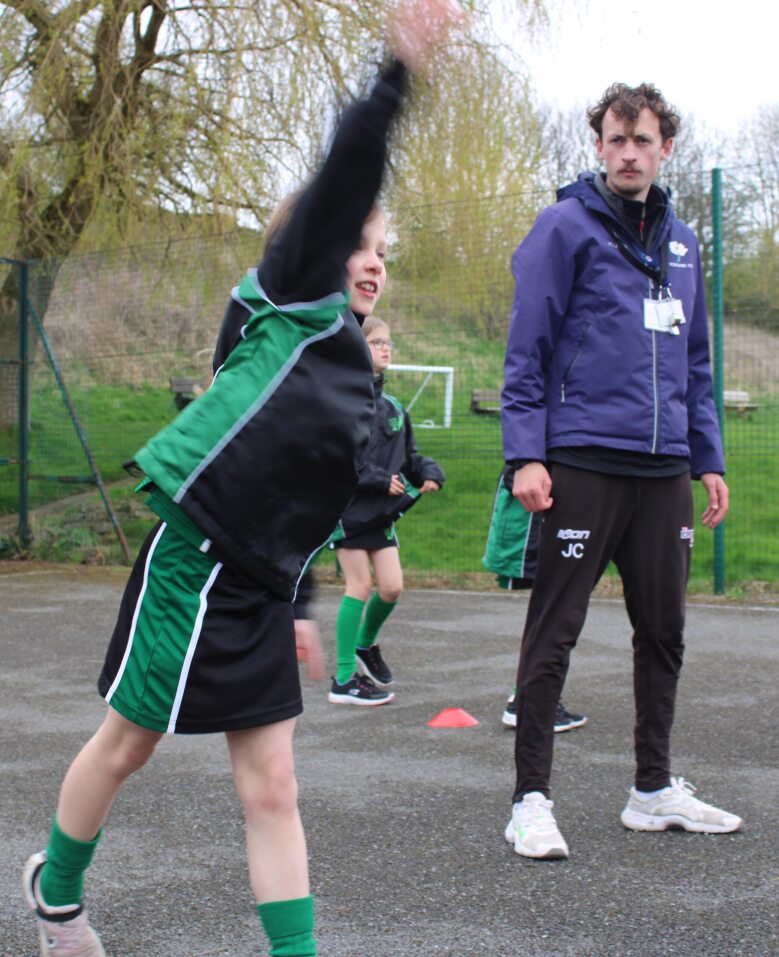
194 638
136 613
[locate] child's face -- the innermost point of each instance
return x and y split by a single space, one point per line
366 275
380 345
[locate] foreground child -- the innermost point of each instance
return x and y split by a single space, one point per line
391 480
248 481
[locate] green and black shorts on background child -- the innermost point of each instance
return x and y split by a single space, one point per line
511 553
392 479
248 482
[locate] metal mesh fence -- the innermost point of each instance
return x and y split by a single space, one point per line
120 324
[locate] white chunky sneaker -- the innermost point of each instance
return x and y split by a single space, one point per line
62 931
676 807
533 830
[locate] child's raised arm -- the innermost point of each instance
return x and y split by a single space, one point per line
307 260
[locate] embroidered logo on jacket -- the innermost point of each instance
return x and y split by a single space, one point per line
679 250
395 422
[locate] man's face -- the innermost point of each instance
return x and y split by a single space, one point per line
632 153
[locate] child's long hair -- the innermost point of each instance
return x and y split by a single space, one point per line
282 213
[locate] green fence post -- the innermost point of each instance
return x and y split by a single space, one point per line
23 531
718 303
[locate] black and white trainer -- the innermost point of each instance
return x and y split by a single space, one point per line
371 664
510 712
566 720
359 690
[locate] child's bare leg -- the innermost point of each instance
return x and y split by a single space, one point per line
98 771
356 567
389 574
264 775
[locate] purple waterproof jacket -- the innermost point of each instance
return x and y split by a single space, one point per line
581 368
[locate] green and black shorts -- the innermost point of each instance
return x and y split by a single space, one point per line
198 647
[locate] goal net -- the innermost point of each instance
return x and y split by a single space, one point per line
426 393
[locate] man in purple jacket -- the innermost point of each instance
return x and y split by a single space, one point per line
607 414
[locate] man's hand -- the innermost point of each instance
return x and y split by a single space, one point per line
308 645
429 486
719 499
532 485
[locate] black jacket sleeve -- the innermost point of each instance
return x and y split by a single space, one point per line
419 468
308 258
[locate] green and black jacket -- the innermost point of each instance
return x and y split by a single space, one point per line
512 541
266 460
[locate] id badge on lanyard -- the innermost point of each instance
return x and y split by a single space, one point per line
665 314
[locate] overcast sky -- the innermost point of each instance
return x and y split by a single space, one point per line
713 59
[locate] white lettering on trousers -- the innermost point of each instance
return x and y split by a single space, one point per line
574 550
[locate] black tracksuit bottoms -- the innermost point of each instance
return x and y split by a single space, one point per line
645 526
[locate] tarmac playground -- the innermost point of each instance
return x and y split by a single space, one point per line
405 821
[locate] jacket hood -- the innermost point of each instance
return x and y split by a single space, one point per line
591 190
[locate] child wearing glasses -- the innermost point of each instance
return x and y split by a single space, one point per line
391 480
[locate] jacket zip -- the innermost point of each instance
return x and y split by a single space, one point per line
655 387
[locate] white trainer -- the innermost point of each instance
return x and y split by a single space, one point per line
533 830
676 807
59 933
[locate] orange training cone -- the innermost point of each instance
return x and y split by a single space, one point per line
452 718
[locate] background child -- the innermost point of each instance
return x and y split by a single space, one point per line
247 481
394 475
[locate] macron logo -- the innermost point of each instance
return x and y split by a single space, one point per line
573 535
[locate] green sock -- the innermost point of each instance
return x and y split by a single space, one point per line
62 877
376 613
289 926
347 625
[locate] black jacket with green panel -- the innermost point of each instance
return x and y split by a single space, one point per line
511 551
266 460
392 451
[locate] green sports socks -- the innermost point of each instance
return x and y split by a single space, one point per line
62 877
289 926
347 627
377 612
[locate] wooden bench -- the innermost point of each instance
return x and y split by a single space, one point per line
737 400
184 390
485 401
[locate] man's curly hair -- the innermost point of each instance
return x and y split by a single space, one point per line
626 102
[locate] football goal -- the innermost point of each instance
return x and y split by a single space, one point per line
428 388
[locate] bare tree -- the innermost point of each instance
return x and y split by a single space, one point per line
752 179
568 147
